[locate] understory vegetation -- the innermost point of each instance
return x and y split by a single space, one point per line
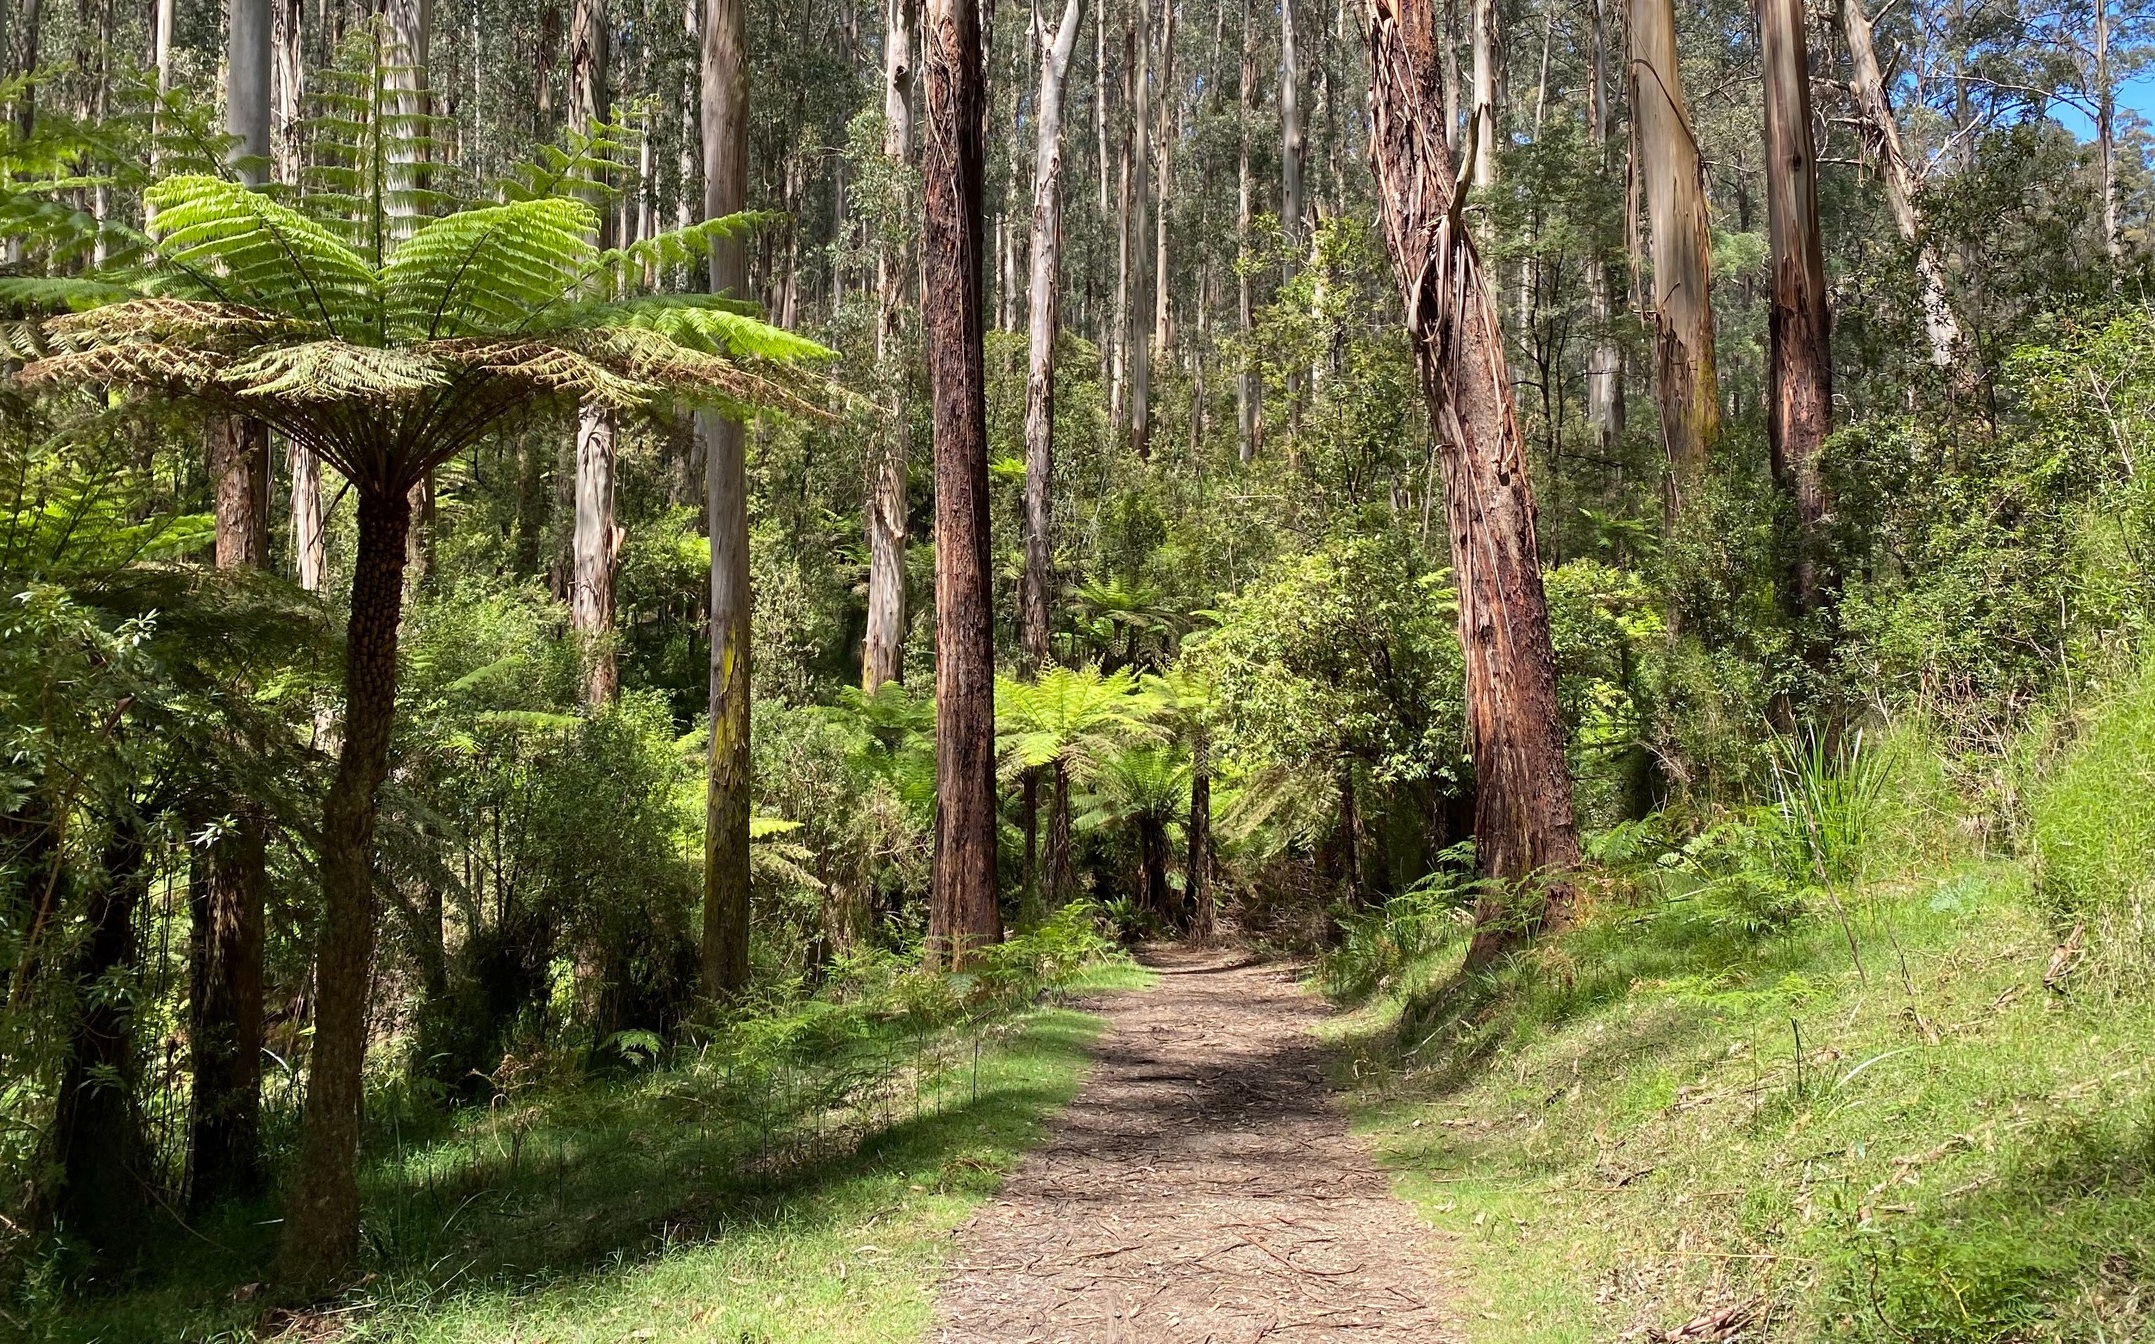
607 609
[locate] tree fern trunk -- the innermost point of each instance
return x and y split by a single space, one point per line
320 1239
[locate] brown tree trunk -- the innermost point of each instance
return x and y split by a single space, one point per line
1246 386
1197 868
883 648
224 1011
962 914
1800 406
1674 178
1062 876
98 1139
726 805
320 1238
1869 88
1522 812
224 1026
1044 323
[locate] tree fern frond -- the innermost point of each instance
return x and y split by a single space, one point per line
48 292
485 270
247 248
675 248
550 367
334 371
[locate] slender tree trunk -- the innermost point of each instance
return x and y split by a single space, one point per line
288 79
225 927
1138 339
1800 409
725 845
247 87
2106 134
320 1237
962 913
1485 111
1876 109
597 549
1119 351
411 30
883 649
1197 867
1294 135
596 545
1099 102
1605 360
98 1139
1043 326
1168 101
162 18
1674 178
1522 814
1246 386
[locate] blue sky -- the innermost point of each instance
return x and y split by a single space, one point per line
2135 95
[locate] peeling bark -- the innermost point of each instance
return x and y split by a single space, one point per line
1522 815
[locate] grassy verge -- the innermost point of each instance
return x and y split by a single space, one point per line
1660 1117
618 1213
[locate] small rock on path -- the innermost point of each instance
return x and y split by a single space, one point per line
1202 1187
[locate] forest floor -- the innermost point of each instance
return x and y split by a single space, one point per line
1203 1186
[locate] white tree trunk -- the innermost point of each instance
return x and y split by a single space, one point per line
1884 134
1042 325
883 647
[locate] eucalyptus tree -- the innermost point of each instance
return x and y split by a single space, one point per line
1799 411
1523 823
389 345
1673 176
962 913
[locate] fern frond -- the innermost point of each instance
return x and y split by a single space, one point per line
484 271
324 371
243 247
49 292
549 367
685 246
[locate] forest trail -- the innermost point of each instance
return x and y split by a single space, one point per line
1202 1187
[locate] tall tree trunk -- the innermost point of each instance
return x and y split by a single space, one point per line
98 1139
1099 101
962 914
1487 72
1043 323
224 1010
320 1237
1674 178
883 648
1138 340
1062 877
411 31
1246 385
162 18
247 87
597 542
1167 114
2106 131
1294 135
726 810
1876 109
1119 339
1522 810
288 80
1605 360
1800 409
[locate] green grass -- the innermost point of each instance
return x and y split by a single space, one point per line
625 1213
1620 1130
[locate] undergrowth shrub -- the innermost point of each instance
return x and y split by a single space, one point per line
2092 824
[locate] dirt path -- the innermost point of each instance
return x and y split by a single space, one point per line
1202 1187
